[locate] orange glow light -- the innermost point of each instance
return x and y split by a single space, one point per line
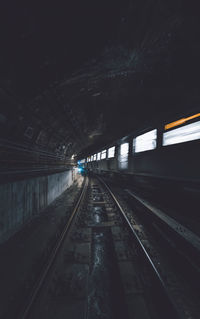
181 121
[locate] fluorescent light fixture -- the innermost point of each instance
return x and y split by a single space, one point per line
103 154
95 157
181 121
111 152
123 156
98 156
182 134
145 142
124 149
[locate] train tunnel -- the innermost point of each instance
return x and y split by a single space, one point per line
99 159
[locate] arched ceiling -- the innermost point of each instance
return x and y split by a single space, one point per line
75 76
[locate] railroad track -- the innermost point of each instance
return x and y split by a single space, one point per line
173 248
184 241
38 285
100 268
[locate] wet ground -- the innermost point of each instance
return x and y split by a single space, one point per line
106 301
96 274
25 253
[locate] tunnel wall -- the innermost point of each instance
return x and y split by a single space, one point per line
22 200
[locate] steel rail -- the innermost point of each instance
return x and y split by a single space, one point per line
44 273
181 230
174 307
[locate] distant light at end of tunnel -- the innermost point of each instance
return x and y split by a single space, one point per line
80 170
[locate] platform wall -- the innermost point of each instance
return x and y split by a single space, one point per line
22 200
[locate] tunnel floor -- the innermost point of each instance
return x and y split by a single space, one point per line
24 254
99 271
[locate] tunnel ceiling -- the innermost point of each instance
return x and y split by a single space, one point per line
76 76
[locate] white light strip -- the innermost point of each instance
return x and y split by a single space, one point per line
124 149
103 154
182 134
123 156
145 142
111 152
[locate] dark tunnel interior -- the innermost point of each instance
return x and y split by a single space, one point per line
68 69
98 96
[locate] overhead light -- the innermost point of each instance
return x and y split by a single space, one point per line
111 152
186 133
96 94
145 142
181 121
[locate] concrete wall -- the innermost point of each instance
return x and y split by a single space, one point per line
22 200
